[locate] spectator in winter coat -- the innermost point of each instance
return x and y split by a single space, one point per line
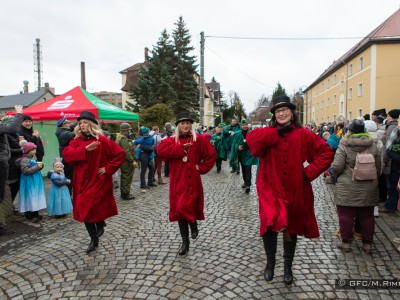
145 153
6 127
353 198
32 136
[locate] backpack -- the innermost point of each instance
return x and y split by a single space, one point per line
365 168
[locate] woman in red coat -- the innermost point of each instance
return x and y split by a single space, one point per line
188 155
286 200
95 158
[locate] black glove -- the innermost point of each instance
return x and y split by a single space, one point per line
285 129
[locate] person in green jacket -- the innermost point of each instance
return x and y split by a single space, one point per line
127 168
240 153
217 141
228 133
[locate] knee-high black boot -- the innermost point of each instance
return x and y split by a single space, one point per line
289 248
184 229
270 239
194 229
100 228
94 241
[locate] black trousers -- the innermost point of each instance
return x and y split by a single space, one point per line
218 163
246 173
382 188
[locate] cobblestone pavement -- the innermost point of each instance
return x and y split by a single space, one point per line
137 257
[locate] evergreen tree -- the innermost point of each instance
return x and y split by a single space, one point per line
185 84
235 107
155 83
279 91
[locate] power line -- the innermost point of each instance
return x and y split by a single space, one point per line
283 38
237 69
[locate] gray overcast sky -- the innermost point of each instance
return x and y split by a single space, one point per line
110 35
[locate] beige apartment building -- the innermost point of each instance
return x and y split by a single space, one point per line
110 97
364 79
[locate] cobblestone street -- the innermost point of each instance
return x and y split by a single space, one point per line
137 256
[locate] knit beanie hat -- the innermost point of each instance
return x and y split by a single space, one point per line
370 126
26 117
394 113
27 146
144 130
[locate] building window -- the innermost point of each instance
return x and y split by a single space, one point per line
327 102
342 86
334 99
334 118
350 70
341 107
350 94
360 89
361 63
350 116
360 112
334 79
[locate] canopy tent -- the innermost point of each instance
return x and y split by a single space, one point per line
72 103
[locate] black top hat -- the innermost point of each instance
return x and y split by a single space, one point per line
87 115
357 126
282 101
185 116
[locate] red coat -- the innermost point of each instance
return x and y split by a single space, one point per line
93 198
186 197
285 196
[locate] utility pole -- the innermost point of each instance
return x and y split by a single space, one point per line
202 41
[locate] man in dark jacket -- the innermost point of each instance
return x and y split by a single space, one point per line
7 126
65 133
26 130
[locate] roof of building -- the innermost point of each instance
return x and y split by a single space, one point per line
387 32
135 67
132 75
22 99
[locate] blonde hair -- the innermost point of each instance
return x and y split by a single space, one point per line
177 132
93 128
326 135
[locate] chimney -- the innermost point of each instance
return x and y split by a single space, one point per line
26 88
146 55
83 76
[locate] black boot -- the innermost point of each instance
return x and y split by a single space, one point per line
94 241
184 229
270 239
194 230
100 228
289 247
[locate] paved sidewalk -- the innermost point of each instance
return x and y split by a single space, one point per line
137 257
